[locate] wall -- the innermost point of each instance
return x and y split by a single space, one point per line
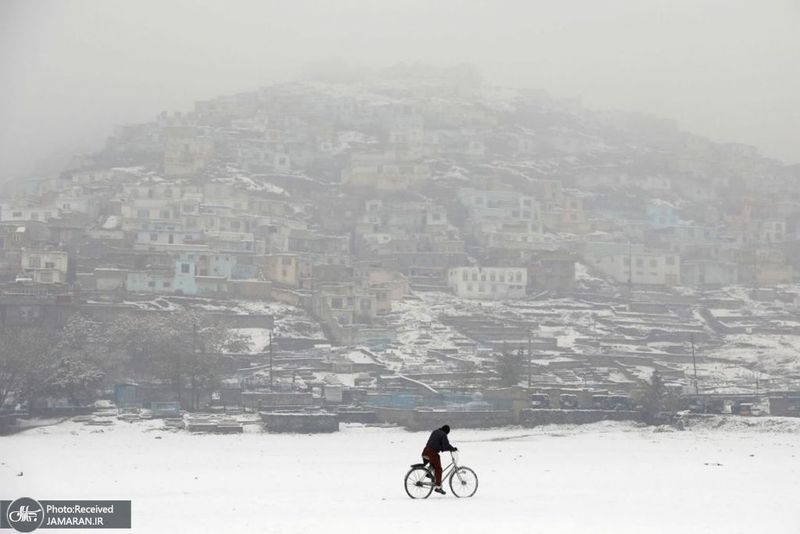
300 422
532 417
428 420
258 399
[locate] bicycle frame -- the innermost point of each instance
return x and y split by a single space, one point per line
446 471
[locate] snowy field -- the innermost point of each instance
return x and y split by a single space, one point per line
614 478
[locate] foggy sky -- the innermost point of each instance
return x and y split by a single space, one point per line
70 70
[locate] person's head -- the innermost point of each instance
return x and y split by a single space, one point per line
446 429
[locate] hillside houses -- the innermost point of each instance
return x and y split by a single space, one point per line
435 223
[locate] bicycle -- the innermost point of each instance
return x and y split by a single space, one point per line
420 479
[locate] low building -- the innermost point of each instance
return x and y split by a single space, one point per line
488 282
290 270
649 267
45 267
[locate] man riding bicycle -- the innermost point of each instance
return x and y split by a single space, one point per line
437 443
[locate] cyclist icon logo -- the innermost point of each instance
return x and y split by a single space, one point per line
25 515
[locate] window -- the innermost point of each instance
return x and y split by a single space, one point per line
143 214
469 287
480 288
17 214
34 262
185 268
465 276
492 277
151 283
639 262
46 277
49 265
153 236
474 277
502 277
166 285
653 262
337 303
670 260
518 277
526 202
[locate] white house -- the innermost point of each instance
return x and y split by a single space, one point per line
45 267
649 267
488 282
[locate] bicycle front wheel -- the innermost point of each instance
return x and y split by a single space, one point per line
463 482
418 484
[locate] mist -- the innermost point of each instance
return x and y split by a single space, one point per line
73 70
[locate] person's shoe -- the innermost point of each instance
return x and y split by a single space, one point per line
438 489
430 476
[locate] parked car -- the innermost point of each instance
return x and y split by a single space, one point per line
568 401
539 400
619 402
600 402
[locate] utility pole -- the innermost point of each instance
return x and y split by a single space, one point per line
630 269
270 359
530 357
755 269
694 364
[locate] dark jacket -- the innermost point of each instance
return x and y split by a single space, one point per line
439 442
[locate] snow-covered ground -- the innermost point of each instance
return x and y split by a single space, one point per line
615 478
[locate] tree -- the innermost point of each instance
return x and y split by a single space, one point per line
509 367
22 351
79 362
654 398
182 348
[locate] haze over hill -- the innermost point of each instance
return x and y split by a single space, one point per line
71 71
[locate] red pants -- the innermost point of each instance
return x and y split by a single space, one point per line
430 455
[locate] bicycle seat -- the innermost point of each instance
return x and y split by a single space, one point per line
417 465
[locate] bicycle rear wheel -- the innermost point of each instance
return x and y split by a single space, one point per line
417 483
463 482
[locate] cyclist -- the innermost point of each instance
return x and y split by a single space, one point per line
437 443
